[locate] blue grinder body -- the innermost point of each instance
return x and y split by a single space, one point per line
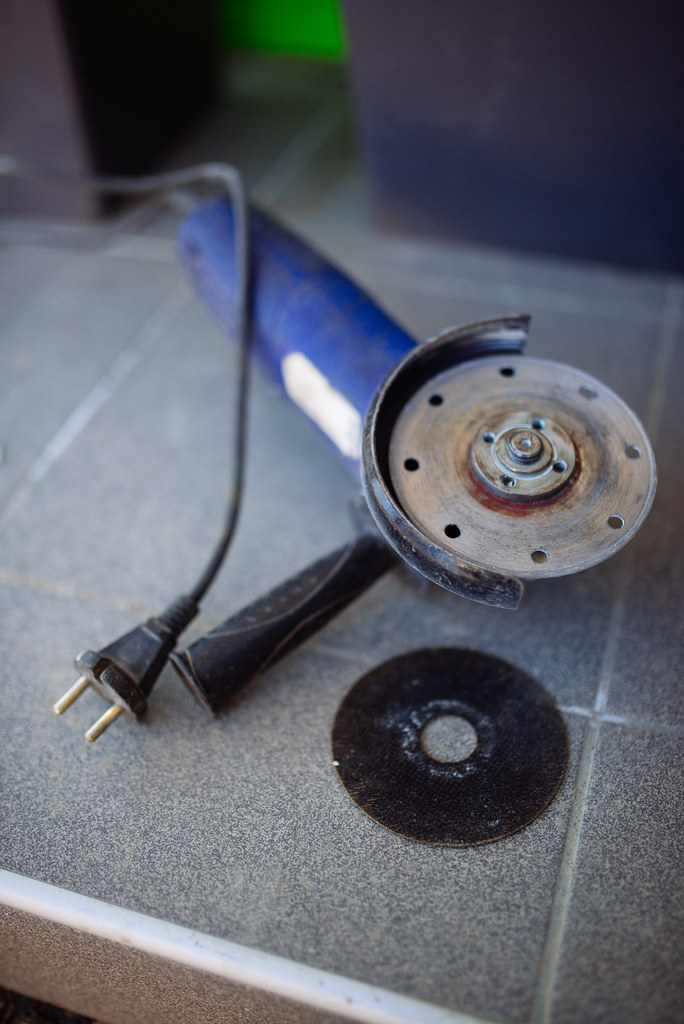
325 342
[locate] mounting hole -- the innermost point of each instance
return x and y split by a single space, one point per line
538 424
488 438
507 371
435 399
411 465
616 522
539 556
508 481
452 531
559 466
448 738
633 451
588 392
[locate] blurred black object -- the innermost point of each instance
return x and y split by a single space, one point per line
553 127
107 88
16 1009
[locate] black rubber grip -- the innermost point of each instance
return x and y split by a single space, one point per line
219 664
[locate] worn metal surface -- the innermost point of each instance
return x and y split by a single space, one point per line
503 337
455 474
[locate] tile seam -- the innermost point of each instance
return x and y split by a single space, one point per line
551 953
340 654
630 723
636 723
670 324
142 249
70 591
548 970
128 358
550 960
298 153
433 283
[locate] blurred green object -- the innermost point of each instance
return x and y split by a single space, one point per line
302 28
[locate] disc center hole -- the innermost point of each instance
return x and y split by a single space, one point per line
448 738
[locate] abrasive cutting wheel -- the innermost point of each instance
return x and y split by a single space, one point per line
499 468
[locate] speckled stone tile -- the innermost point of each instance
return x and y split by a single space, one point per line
557 634
65 317
647 682
621 955
238 827
134 507
117 984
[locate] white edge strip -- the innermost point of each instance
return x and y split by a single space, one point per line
320 990
330 410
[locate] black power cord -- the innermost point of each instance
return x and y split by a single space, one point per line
124 672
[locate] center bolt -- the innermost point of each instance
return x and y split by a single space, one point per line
522 457
524 446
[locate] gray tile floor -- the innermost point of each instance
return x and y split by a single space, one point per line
114 431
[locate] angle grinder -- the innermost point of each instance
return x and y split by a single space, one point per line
481 467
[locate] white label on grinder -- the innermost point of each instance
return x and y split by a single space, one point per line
327 407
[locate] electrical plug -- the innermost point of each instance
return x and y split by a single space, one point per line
125 671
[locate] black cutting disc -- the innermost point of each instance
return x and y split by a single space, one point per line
511 776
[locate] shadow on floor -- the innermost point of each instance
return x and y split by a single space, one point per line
16 1009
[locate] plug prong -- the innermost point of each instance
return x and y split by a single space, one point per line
110 715
72 694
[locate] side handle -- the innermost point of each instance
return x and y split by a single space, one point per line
219 664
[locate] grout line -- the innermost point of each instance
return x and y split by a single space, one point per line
669 328
145 248
575 709
550 960
631 723
341 654
445 285
126 361
613 633
71 592
298 154
635 723
268 190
